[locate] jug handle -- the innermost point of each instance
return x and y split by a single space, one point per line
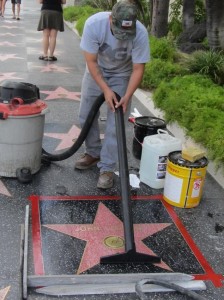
161 131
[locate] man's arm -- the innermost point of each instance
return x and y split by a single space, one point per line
134 82
94 69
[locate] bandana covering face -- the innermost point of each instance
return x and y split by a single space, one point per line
124 16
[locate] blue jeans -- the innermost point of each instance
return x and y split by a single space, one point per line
107 151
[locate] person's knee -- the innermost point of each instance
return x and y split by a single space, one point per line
53 33
46 32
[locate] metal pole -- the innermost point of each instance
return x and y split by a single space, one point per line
130 254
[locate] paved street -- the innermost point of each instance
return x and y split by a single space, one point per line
71 223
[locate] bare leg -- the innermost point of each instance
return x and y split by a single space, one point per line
53 37
13 11
18 10
3 7
46 37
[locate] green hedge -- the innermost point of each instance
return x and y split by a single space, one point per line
74 13
157 70
79 14
162 48
196 103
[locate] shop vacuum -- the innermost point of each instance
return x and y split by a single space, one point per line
22 118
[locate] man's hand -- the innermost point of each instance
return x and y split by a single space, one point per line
111 99
123 102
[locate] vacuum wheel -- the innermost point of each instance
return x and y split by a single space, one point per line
24 175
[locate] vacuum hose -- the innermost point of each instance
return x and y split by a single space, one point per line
82 136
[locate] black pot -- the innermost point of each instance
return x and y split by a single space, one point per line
145 126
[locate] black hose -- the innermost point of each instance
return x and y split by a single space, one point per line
46 157
170 285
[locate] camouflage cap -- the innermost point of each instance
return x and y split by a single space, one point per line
124 17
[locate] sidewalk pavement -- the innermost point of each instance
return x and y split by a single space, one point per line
71 222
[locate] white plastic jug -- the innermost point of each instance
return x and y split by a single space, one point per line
155 150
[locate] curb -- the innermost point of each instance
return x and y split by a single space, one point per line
146 100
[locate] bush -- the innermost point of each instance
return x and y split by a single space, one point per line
104 5
158 70
209 63
162 48
80 24
74 13
196 103
175 28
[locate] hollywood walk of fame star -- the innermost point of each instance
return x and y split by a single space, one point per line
4 293
4 57
9 27
9 34
9 22
98 236
3 190
54 68
61 93
8 44
8 76
67 139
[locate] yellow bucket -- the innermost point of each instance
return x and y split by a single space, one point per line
184 180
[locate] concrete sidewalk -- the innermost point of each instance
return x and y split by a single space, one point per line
71 221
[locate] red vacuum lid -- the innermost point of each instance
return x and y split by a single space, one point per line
17 107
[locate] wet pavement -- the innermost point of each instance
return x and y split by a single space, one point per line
72 224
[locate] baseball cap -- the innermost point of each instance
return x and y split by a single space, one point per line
124 17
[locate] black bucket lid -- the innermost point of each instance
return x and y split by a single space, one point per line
26 91
150 122
176 158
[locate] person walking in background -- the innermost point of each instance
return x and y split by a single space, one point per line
116 47
16 12
0 7
3 3
51 21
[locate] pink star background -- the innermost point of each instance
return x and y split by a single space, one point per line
54 68
106 224
8 33
7 44
67 139
3 189
9 27
61 93
4 57
6 76
4 292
